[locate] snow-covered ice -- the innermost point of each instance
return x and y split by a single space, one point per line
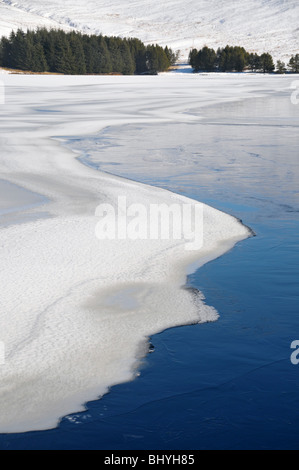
66 338
267 26
17 204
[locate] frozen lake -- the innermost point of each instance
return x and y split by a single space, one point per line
235 374
250 146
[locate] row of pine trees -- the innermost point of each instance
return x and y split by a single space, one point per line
237 59
74 53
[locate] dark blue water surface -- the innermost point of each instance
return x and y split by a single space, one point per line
228 384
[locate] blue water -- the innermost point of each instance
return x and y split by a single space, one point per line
228 384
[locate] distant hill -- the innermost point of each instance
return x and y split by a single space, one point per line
257 25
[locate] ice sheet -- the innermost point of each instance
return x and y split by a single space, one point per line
66 339
17 204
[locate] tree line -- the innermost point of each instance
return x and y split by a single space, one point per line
237 59
74 53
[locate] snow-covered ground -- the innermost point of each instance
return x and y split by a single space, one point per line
76 311
269 25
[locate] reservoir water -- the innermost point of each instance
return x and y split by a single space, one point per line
228 384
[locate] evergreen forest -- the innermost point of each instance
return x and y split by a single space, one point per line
74 53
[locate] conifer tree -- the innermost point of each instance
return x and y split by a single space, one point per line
76 46
128 63
221 60
47 40
254 62
117 60
5 52
171 55
89 45
157 60
104 58
280 67
138 53
206 59
20 53
294 64
64 60
240 60
267 64
192 57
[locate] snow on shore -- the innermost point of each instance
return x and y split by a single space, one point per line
67 336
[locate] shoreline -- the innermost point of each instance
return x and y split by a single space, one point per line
153 293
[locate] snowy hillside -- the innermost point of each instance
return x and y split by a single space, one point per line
12 18
258 25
